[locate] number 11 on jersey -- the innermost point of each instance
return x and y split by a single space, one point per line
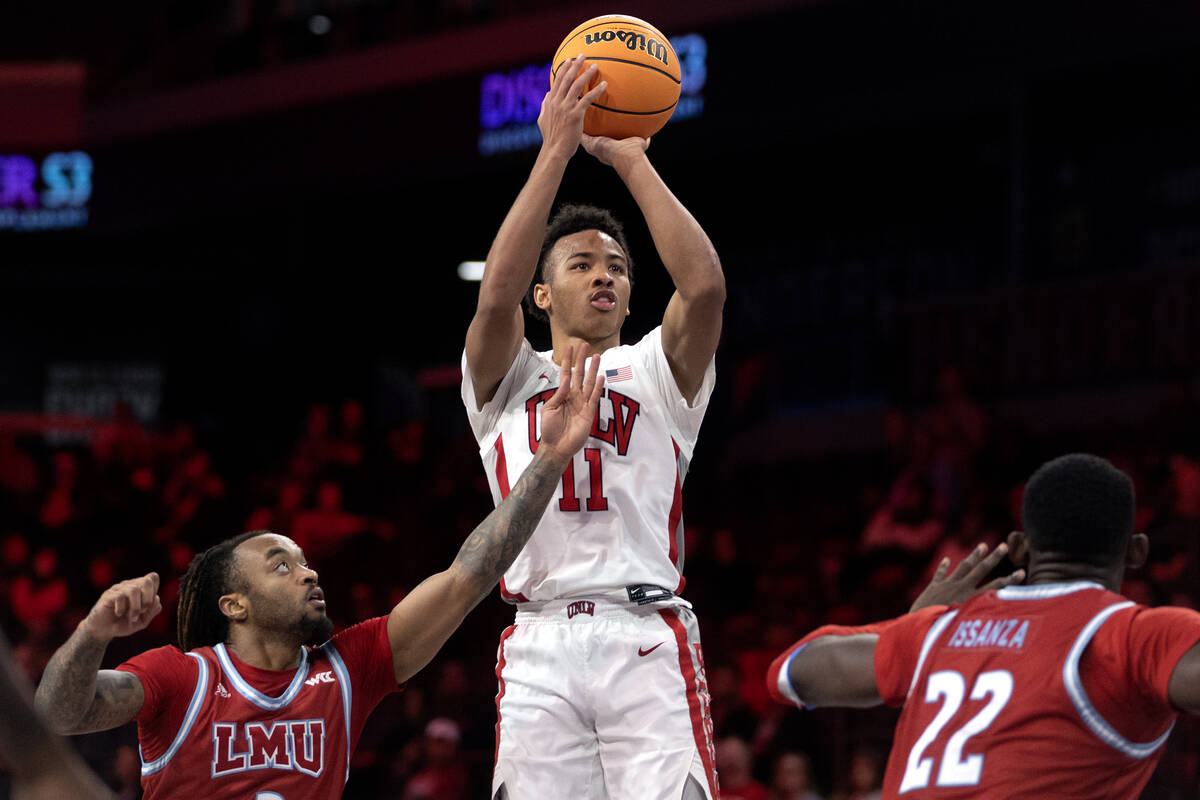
596 501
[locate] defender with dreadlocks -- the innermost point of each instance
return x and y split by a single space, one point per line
253 705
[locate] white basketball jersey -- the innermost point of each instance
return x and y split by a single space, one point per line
618 517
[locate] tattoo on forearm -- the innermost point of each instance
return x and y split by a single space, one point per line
75 696
494 544
119 696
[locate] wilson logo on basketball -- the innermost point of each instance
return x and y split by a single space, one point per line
632 41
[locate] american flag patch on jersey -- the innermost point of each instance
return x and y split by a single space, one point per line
619 374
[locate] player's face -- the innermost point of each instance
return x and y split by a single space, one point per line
282 591
587 285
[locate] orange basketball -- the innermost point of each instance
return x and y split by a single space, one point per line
641 69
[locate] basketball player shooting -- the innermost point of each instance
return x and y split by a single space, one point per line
602 691
1057 688
252 704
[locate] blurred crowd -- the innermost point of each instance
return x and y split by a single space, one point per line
773 550
143 47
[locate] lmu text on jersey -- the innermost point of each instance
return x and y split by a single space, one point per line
286 744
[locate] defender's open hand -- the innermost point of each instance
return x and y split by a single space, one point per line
567 417
964 581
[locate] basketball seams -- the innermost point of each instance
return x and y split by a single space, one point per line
610 21
635 113
636 64
614 21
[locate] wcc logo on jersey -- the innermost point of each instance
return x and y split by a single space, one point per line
287 744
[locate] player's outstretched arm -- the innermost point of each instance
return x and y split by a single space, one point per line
421 623
495 333
692 323
75 695
43 766
836 671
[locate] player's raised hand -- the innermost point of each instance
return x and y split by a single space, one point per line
568 416
611 151
124 608
561 117
963 583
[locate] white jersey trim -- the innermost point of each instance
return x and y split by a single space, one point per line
189 719
339 666
934 632
254 695
1045 591
784 683
1079 698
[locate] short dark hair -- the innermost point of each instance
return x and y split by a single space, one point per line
1079 505
211 574
573 218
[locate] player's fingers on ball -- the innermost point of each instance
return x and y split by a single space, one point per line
579 86
570 71
561 78
593 93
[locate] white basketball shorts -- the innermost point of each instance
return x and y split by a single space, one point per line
603 700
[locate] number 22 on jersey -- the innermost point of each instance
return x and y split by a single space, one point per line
954 770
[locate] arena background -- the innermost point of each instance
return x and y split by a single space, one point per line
958 238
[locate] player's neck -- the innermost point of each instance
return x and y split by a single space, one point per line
561 341
264 651
1046 568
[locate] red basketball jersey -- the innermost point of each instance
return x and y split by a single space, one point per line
213 726
1055 690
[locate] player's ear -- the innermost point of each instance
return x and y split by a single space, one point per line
233 606
541 296
1018 548
1138 552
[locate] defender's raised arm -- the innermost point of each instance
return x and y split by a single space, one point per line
75 695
